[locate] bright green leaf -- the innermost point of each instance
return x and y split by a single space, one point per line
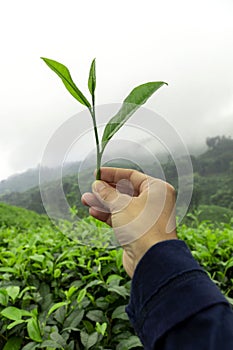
119 255
92 78
57 306
101 328
133 101
15 323
12 313
34 330
71 291
57 273
3 297
63 72
81 295
13 292
114 279
37 257
8 269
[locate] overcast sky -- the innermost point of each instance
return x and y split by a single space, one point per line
188 44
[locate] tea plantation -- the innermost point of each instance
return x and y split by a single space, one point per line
58 293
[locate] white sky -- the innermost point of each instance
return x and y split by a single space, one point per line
188 44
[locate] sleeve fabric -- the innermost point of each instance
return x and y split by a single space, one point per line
175 305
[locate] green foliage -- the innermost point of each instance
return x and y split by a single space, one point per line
137 97
63 73
212 247
56 293
133 101
20 218
213 183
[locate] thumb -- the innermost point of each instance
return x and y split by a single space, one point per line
104 192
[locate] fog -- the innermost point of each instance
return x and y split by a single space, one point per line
188 44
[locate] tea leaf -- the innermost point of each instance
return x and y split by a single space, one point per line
96 315
89 340
12 313
101 328
81 295
30 346
56 306
92 78
121 290
73 320
13 343
3 297
120 313
34 330
63 73
15 323
58 338
129 343
50 344
133 101
13 292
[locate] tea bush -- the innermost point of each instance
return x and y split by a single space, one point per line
58 293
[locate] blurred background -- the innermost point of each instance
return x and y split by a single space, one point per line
188 44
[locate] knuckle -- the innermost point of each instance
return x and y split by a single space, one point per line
106 194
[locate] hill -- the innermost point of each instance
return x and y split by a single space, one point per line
20 218
213 181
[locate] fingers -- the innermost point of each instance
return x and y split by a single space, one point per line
96 209
100 215
114 175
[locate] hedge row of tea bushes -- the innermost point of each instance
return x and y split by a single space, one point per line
58 293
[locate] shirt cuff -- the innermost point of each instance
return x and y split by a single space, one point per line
168 286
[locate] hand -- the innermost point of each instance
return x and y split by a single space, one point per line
140 208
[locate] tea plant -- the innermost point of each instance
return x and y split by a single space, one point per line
137 97
56 293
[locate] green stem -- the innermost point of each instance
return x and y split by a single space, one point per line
98 152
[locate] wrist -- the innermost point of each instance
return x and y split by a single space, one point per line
135 251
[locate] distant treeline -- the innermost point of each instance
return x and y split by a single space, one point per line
213 180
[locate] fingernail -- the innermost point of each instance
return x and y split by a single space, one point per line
98 186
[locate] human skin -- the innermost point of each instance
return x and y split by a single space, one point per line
139 208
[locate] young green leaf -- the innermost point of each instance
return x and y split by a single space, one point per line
13 292
57 306
133 101
15 323
12 313
34 330
92 79
3 297
63 72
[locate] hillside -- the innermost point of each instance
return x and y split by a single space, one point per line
213 181
20 218
30 178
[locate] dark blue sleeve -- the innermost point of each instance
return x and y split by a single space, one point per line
174 304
